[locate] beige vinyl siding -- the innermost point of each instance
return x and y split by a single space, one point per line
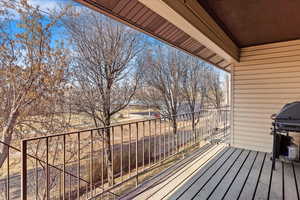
266 78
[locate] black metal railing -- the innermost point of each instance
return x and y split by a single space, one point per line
92 163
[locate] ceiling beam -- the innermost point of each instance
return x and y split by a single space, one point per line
190 17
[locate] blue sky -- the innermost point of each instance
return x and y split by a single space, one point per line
47 5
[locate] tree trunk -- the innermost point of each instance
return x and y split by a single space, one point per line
108 153
7 136
193 127
174 124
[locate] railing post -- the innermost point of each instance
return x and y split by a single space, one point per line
225 114
24 170
136 155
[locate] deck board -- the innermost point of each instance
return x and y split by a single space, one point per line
164 187
249 186
201 187
208 188
264 180
237 185
297 175
290 190
229 173
181 180
191 188
227 181
276 187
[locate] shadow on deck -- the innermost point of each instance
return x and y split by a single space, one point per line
221 172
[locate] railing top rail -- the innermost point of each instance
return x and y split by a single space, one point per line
120 124
9 146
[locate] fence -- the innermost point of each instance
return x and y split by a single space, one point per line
91 163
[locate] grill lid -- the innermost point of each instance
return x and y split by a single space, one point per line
289 112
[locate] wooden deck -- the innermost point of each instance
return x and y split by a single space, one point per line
221 172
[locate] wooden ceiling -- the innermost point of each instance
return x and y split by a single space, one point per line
255 22
138 16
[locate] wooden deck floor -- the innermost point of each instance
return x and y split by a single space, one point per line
221 172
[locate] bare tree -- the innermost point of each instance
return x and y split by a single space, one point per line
163 79
215 93
32 69
195 86
106 76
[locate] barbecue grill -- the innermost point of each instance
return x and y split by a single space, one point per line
287 120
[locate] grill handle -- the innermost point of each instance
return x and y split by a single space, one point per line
273 116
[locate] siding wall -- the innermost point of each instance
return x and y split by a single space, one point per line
267 77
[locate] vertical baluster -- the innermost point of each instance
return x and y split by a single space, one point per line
70 186
205 124
47 169
193 124
224 125
113 154
197 127
160 138
187 130
165 132
103 157
149 151
78 165
206 133
87 190
24 171
121 157
227 112
143 145
91 162
36 179
201 124
170 137
177 134
129 154
180 131
191 129
184 131
60 184
155 139
136 154
173 137
64 166
8 173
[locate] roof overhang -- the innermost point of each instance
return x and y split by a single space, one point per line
193 19
249 22
183 24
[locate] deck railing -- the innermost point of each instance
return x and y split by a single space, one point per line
93 163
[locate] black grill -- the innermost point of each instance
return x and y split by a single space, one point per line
288 119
